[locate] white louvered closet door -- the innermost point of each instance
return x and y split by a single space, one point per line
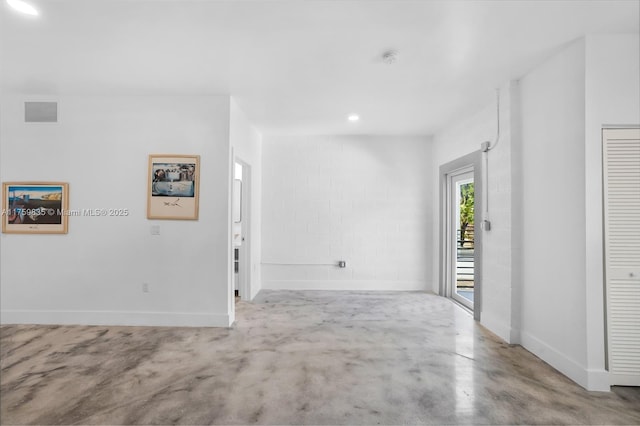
621 156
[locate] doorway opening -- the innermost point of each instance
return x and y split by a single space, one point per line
460 237
241 230
463 225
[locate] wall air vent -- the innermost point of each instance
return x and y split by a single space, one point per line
41 112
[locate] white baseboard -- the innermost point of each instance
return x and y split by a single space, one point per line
599 380
624 379
592 380
515 336
158 319
345 285
496 326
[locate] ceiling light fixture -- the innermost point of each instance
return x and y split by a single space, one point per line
353 117
23 7
390 57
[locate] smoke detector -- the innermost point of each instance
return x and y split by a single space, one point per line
390 57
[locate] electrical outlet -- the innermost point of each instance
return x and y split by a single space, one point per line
155 229
145 287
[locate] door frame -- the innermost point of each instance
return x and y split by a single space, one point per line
469 161
244 272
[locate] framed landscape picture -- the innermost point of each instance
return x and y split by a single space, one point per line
35 207
173 186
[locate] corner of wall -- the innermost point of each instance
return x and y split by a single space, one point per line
517 219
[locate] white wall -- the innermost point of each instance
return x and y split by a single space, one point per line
247 147
94 274
553 170
566 102
543 262
365 200
612 98
461 138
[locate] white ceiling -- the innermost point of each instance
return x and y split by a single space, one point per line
299 66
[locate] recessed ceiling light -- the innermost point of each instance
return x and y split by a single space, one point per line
353 117
23 7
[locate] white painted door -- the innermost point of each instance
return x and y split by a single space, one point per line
621 158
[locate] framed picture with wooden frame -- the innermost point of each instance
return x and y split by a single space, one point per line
35 207
173 186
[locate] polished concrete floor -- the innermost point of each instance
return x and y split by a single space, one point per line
295 358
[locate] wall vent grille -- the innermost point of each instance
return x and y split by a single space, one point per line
41 112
